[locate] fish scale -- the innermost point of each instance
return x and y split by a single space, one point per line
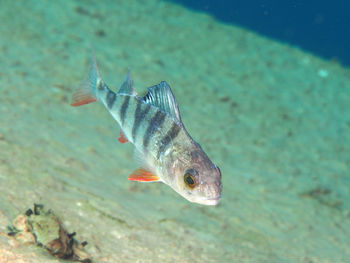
139 128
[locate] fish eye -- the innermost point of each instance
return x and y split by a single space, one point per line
189 180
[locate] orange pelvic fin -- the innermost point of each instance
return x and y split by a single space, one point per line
122 138
142 175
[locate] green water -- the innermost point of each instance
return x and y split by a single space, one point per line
274 118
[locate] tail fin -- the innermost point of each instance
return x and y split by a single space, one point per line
86 92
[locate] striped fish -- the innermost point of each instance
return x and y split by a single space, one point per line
163 148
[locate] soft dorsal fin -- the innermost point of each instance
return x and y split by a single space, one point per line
127 87
162 97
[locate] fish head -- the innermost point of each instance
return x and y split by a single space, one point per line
197 178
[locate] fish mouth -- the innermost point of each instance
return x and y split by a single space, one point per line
209 201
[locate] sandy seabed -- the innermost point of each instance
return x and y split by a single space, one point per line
274 118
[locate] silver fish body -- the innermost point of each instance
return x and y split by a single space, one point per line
163 147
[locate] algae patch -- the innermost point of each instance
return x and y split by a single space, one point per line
324 196
44 228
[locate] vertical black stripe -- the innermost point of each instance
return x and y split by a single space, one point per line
110 98
124 108
154 124
139 116
168 138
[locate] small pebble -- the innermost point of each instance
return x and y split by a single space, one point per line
323 73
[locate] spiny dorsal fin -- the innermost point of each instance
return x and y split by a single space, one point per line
162 97
127 87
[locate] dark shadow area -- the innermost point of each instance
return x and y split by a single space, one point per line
320 27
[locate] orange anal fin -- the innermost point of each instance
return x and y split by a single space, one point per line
122 138
142 175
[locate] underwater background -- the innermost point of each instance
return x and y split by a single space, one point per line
313 25
274 117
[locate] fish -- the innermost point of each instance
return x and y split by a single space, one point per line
164 150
